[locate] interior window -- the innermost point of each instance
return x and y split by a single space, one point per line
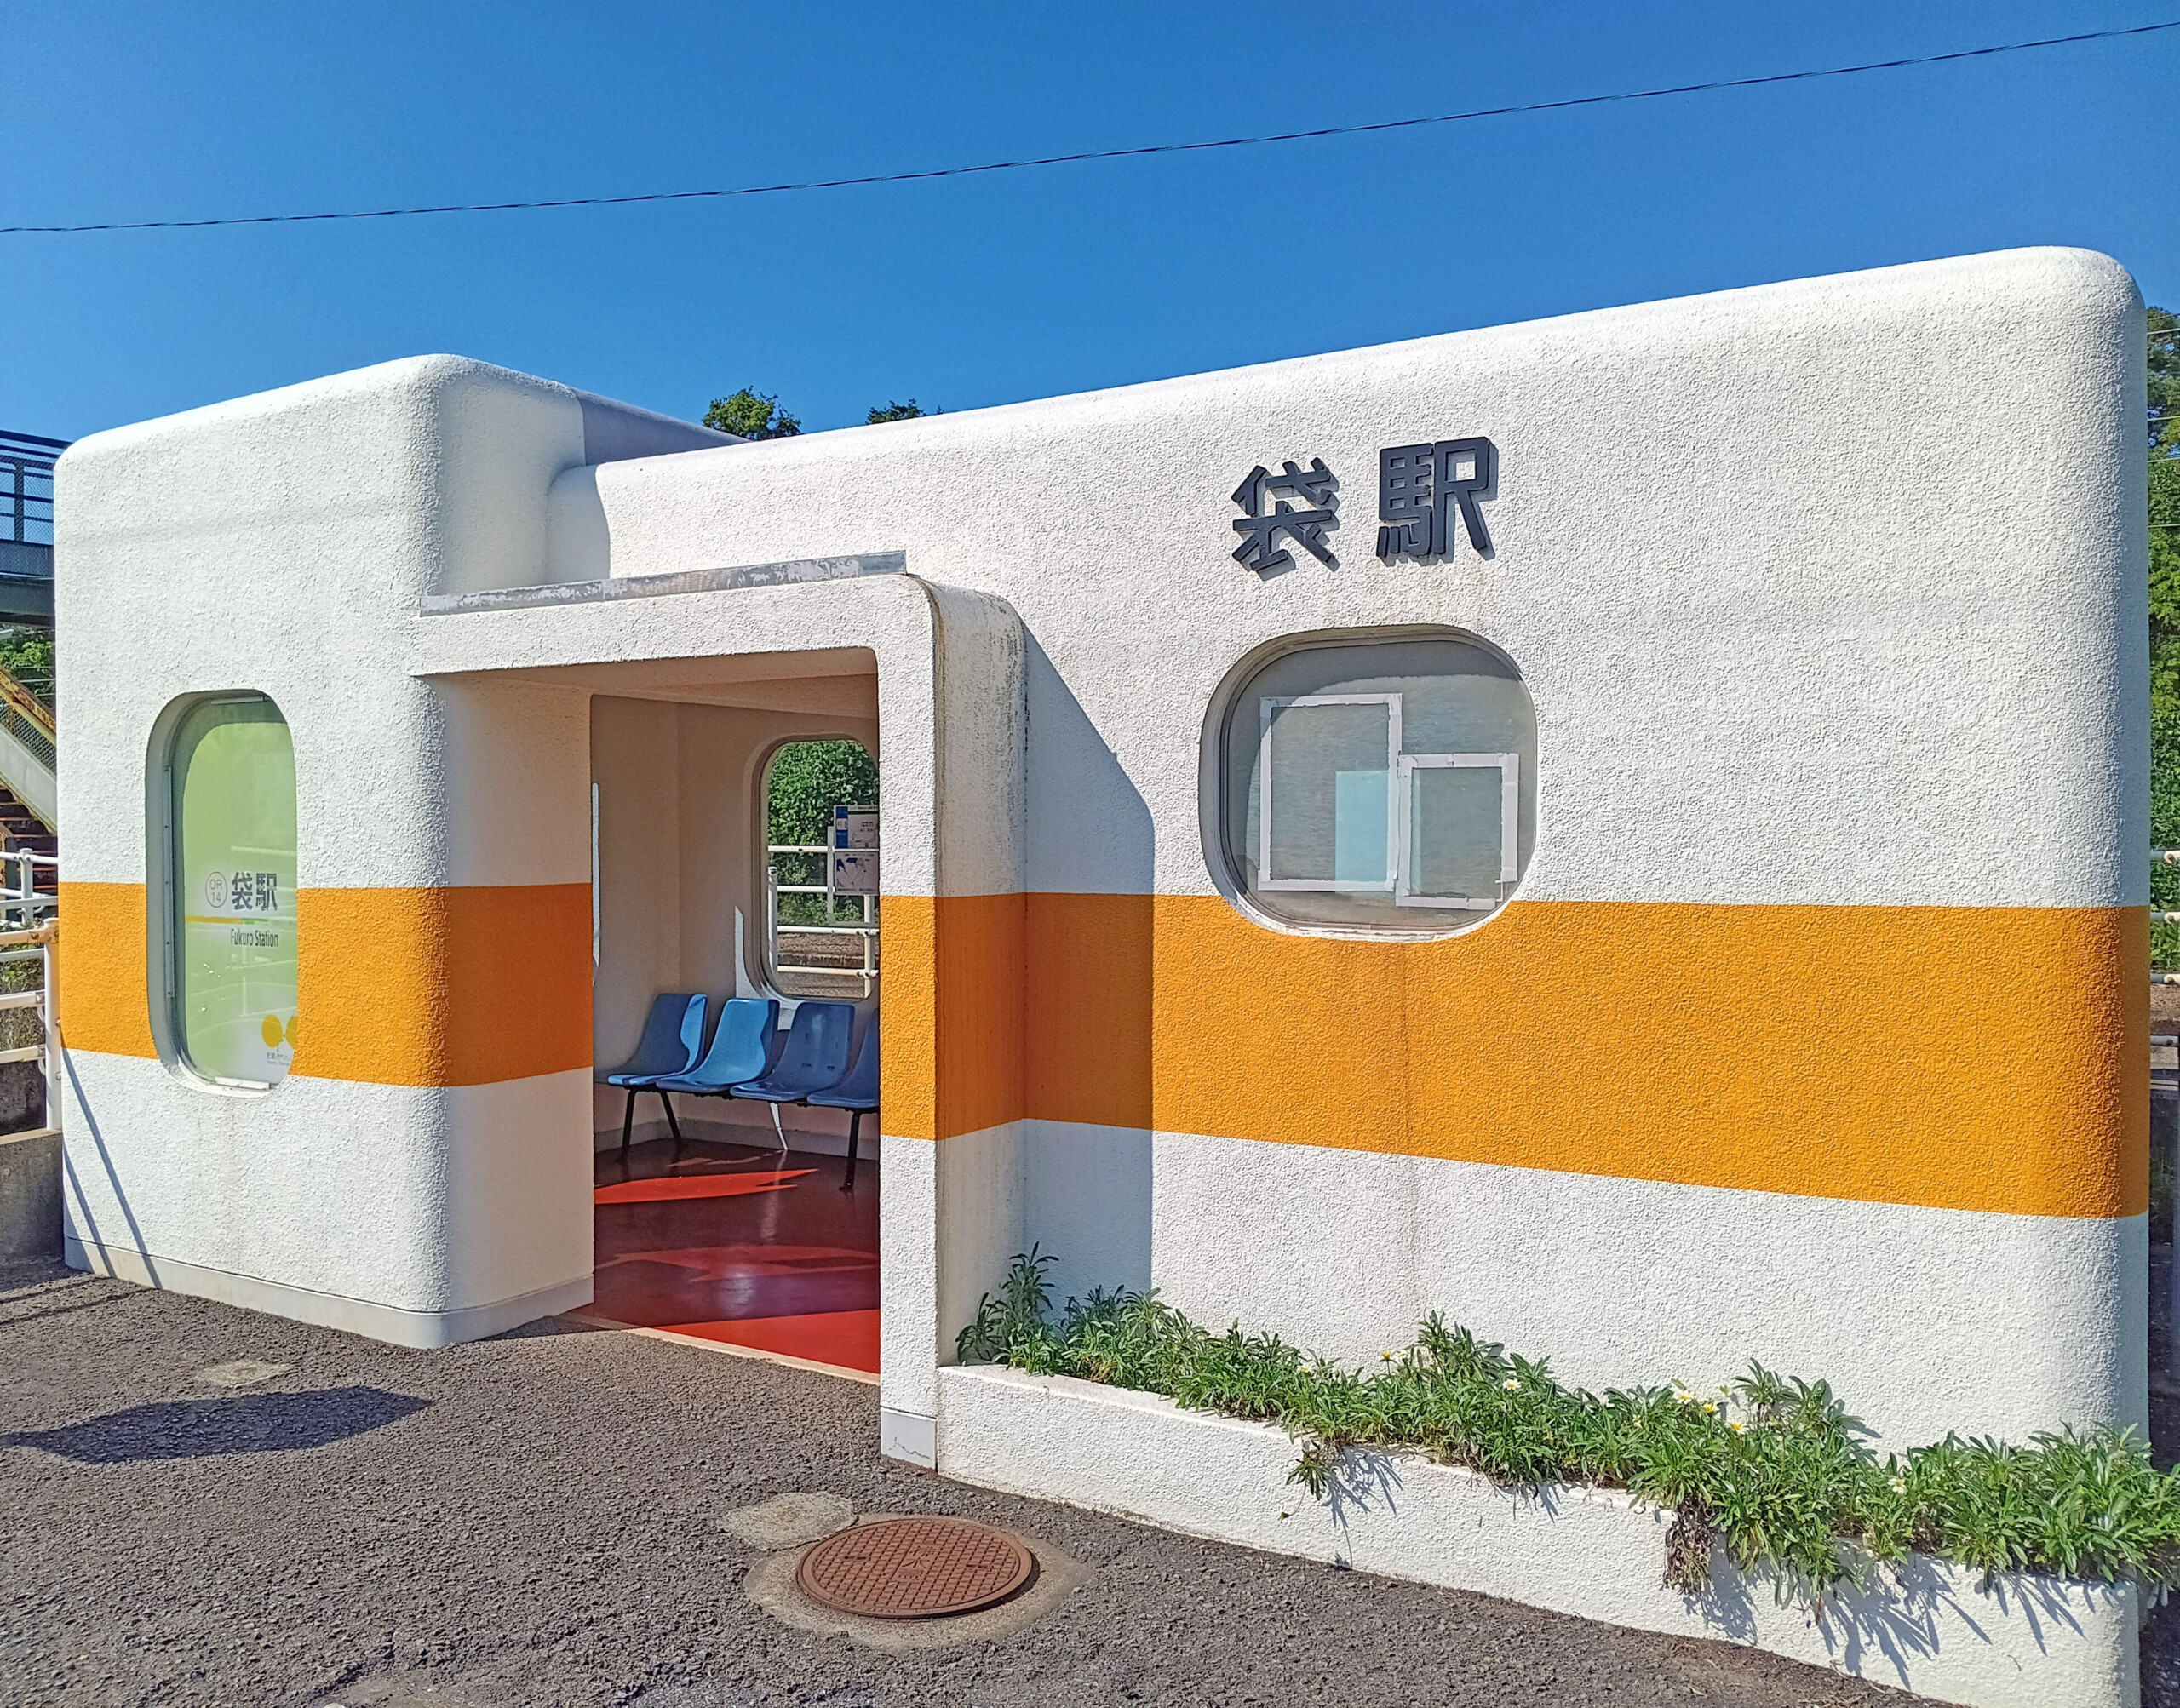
232 855
821 869
1388 785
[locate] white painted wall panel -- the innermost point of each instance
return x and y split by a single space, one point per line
1626 1282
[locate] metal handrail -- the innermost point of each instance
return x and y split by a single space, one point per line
21 698
867 930
25 945
26 459
23 897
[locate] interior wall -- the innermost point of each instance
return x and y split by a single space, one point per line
681 907
634 748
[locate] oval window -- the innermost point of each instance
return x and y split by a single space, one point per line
232 776
1385 785
821 869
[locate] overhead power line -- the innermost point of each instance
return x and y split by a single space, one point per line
1096 154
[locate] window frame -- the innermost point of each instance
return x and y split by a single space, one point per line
1509 766
1268 709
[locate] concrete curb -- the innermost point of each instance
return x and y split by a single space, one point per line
30 1196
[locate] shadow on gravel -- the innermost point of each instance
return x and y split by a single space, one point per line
545 1326
207 1428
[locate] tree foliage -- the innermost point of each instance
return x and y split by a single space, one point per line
2163 436
808 780
2163 433
26 655
751 414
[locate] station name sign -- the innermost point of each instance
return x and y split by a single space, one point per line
1422 490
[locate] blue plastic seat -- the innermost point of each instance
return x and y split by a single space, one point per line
673 1036
814 1058
858 1094
740 1049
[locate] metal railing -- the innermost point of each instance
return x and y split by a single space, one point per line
23 905
26 486
867 930
17 949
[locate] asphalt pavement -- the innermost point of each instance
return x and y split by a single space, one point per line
202 1505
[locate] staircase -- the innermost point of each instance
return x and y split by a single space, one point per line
29 798
21 828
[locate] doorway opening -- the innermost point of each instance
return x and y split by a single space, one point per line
727 1208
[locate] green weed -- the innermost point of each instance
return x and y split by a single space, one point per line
1770 1468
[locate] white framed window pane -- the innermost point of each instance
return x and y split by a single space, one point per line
1327 782
1456 832
1359 826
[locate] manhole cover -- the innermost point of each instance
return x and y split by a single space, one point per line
914 1569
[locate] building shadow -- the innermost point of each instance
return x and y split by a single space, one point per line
216 1428
1087 1028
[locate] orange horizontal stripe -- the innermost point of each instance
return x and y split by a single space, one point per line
952 1013
104 976
452 986
464 985
1959 1057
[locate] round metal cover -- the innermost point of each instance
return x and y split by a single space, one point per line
914 1569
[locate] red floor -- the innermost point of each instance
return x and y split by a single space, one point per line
733 1244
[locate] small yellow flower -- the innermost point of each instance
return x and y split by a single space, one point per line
1710 1408
1385 1357
1738 1427
1899 1485
1681 1396
1510 1385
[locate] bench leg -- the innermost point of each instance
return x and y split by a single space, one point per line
855 1126
673 1125
627 1114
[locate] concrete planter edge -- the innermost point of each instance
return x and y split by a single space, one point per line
2028 1642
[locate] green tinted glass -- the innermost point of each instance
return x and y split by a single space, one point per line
234 855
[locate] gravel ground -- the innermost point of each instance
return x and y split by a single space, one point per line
533 1520
2161 1625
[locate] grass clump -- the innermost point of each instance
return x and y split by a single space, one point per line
1770 1467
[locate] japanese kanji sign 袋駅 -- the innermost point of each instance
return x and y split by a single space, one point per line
1421 489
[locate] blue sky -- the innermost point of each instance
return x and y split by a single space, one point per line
1010 285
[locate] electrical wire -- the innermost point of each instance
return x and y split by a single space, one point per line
1095 154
